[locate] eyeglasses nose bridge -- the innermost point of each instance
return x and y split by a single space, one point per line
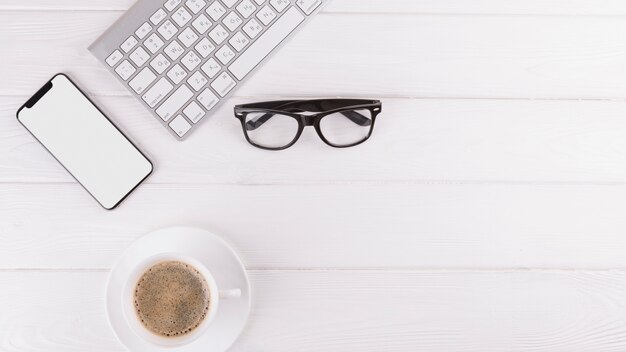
309 120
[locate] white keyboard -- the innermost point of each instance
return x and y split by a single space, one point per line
183 58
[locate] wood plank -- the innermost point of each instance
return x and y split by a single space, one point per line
351 311
517 7
341 226
414 141
472 56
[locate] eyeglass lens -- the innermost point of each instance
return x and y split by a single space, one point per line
347 127
341 129
271 130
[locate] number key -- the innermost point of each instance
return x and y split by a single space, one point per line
154 43
195 5
181 16
129 44
139 56
158 17
143 31
171 4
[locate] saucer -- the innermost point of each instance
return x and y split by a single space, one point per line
215 255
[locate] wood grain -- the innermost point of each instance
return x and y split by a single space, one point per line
326 226
516 7
351 311
473 56
486 214
453 141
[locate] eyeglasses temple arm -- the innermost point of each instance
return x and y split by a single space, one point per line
357 118
253 125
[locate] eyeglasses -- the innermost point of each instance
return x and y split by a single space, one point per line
277 125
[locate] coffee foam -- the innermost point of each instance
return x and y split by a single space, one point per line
171 298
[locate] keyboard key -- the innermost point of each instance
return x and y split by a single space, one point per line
129 44
195 5
174 103
256 52
308 6
208 99
158 17
142 81
191 60
159 91
201 24
167 30
218 34
194 112
180 126
181 16
216 10
188 55
205 47
144 30
139 56
177 74
225 54
188 37
239 41
160 63
211 68
279 5
171 4
229 3
174 50
223 84
125 70
252 28
114 58
197 81
246 8
154 43
266 15
232 21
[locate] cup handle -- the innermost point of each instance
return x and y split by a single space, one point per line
230 294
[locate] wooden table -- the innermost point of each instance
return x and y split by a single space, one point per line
487 213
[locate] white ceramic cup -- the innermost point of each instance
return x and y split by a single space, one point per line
140 330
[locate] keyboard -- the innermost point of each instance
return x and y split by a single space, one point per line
183 58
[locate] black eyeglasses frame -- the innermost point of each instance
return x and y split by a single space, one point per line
308 113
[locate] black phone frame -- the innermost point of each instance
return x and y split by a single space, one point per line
42 92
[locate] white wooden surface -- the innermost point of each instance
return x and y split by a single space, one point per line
486 214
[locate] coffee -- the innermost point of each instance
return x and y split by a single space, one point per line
171 298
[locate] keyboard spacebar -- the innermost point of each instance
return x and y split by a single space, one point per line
266 43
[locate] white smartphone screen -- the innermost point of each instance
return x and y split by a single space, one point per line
84 141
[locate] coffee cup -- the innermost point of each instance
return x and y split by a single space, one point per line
215 295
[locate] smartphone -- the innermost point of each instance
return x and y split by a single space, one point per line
83 139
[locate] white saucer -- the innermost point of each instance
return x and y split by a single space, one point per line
212 252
